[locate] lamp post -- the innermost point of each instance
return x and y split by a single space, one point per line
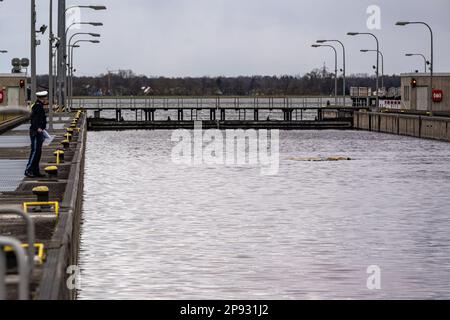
95 24
405 23
426 62
33 50
71 47
62 50
87 7
335 69
344 89
378 61
95 35
382 63
75 45
50 70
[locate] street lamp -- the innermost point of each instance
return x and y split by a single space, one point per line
344 90
378 60
95 35
405 23
75 45
95 24
382 64
335 69
87 7
62 50
420 55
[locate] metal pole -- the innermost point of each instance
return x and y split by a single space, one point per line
55 72
50 69
71 76
61 50
344 85
33 50
335 77
378 71
344 89
403 23
378 61
432 68
382 68
24 275
382 64
425 61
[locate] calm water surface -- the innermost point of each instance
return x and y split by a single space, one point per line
155 230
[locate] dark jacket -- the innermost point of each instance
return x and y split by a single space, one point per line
38 118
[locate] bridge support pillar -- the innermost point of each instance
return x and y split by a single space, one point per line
222 115
118 115
152 115
287 114
180 115
319 115
256 117
213 115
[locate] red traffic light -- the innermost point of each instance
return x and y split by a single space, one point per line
414 83
22 83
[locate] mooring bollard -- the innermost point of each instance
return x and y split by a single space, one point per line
68 136
70 131
52 172
66 144
59 154
42 193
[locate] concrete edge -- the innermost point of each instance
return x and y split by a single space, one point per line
64 252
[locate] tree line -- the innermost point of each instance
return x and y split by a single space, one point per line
126 83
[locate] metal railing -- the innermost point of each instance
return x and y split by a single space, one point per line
25 259
208 102
23 270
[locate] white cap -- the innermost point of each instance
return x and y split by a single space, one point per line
42 94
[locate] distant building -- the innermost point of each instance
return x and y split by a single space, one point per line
416 92
13 90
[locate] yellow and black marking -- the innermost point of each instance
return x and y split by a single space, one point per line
40 256
52 204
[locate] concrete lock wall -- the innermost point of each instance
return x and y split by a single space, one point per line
64 254
409 125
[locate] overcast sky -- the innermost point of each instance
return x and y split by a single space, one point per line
236 37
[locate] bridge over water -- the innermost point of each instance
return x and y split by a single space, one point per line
218 112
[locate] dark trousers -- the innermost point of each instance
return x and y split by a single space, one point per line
37 140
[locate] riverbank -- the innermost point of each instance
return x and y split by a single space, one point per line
57 229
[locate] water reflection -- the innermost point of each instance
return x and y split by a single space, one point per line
154 230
